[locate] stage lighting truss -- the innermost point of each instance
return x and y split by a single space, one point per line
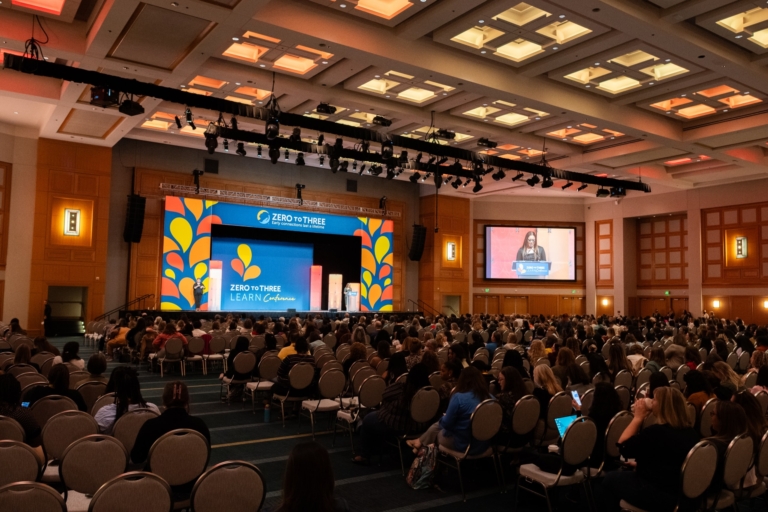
264 200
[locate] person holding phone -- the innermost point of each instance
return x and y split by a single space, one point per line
605 405
12 407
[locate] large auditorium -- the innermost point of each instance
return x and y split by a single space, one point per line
383 255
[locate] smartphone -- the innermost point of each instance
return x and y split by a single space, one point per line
25 404
575 395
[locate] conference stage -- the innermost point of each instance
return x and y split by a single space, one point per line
225 257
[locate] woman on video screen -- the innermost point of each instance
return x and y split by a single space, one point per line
530 251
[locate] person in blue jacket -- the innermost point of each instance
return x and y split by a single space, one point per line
454 430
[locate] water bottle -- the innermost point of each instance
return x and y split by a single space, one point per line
266 413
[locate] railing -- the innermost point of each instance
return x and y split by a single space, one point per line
423 304
137 303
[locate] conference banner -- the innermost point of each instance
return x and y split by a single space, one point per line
260 271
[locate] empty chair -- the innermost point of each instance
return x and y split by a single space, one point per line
733 360
559 405
232 486
667 371
30 379
91 391
586 401
195 347
268 367
60 431
370 395
382 367
623 378
49 406
216 346
625 395
751 380
300 378
19 463
330 341
106 399
86 465
680 375
30 497
330 386
738 459
173 352
19 369
75 378
243 364
762 397
643 376
179 457
128 425
705 418
577 445
424 406
616 427
135 491
435 380
11 430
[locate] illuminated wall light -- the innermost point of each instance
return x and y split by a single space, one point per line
605 302
715 304
741 247
71 222
450 251
765 304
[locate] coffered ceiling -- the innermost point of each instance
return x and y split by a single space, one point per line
673 92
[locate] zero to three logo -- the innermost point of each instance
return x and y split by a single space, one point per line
263 217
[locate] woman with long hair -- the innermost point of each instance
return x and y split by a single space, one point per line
454 430
546 387
530 250
536 351
70 354
514 359
308 483
564 358
43 345
58 384
728 421
657 359
617 360
124 382
511 389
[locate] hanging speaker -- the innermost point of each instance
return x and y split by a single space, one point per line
134 218
417 242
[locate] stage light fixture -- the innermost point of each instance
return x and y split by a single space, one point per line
445 134
478 187
104 97
602 192
469 180
478 165
226 146
322 160
567 185
582 187
211 138
499 175
382 121
354 166
438 181
431 160
425 177
362 169
390 173
190 119
415 177
295 135
344 166
233 123
376 170
272 129
258 151
483 141
365 145
533 180
274 154
418 158
130 107
178 122
387 149
240 149
442 160
320 139
325 108
456 183
334 163
383 203
338 146
618 192
196 177
300 159
457 167
299 188
287 154
518 177
403 157
547 181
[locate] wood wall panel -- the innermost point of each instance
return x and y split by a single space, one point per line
70 175
478 251
146 256
604 255
437 276
6 172
662 252
719 226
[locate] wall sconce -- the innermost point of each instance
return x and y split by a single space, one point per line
605 302
715 304
450 251
71 222
741 247
765 304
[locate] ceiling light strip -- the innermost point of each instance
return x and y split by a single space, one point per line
260 199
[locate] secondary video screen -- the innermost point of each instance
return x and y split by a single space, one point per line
530 253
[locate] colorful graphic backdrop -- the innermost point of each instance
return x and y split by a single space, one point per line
187 246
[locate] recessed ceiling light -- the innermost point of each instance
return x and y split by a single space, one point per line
387 96
588 86
377 76
683 95
538 118
738 37
562 16
173 4
262 65
668 60
237 83
668 112
565 138
554 47
597 63
342 5
570 127
482 51
235 38
726 110
445 94
650 83
182 86
481 21
325 62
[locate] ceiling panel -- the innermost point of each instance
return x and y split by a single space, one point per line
88 123
642 157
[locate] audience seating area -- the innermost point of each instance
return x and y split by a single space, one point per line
507 451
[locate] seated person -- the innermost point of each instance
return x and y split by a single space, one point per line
58 384
162 339
97 365
118 337
10 406
302 355
175 416
511 390
125 384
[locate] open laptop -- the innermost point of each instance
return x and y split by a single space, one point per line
563 423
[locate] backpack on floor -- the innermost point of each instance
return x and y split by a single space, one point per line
423 468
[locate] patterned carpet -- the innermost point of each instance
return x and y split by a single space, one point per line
239 434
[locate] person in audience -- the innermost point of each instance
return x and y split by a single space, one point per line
721 349
730 383
756 361
175 416
576 379
657 380
454 430
357 352
546 386
241 345
117 337
658 451
514 359
617 361
675 353
762 381
58 384
511 389
636 358
692 357
658 359
125 384
70 354
290 349
161 340
414 352
270 345
606 404
383 351
42 345
597 365
97 365
431 361
394 415
536 352
11 407
698 390
396 367
565 357
728 421
302 355
23 356
757 424
456 352
308 485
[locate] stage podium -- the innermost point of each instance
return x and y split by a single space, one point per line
532 268
352 296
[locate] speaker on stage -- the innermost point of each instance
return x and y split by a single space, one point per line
417 242
134 218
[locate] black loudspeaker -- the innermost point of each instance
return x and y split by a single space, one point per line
134 218
417 242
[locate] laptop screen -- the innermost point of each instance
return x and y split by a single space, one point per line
563 423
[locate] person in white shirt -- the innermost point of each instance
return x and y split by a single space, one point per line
125 384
